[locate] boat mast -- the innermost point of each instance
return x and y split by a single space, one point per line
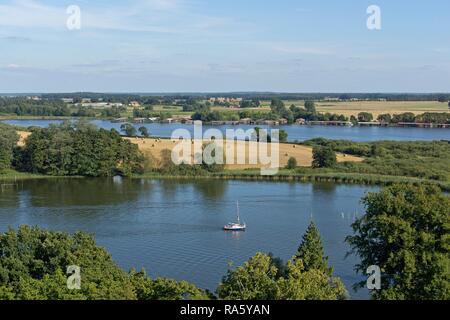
237 206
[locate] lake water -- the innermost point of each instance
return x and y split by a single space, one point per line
295 132
173 227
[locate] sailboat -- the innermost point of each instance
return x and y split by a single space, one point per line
235 226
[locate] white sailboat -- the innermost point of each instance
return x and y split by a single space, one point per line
235 226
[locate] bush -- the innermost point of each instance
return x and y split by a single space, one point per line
292 163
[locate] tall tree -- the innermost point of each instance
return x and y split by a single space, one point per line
323 157
310 106
405 232
8 141
144 132
311 252
128 129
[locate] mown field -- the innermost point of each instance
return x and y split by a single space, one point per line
152 148
349 108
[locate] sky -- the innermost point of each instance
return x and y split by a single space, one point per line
224 46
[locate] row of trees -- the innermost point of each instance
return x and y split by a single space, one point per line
78 149
427 117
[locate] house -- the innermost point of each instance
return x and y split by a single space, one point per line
245 121
300 121
283 121
135 104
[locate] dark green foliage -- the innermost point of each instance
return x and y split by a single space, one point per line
8 141
283 136
292 163
310 106
311 251
406 233
128 129
305 277
144 132
365 117
33 265
164 289
21 106
323 157
78 150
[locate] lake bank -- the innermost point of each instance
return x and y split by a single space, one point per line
295 132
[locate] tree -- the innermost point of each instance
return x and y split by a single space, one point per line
260 279
323 157
283 136
405 232
386 118
144 132
255 280
164 289
310 106
8 141
292 163
78 149
313 284
311 252
128 129
442 99
365 117
33 265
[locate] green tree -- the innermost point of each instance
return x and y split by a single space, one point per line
323 157
78 149
292 163
34 261
311 252
283 136
310 106
8 141
386 118
128 129
164 289
365 117
313 284
260 279
406 232
255 280
144 132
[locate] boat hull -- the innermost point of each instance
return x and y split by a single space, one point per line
234 228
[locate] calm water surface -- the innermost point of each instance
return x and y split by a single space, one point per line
173 227
295 132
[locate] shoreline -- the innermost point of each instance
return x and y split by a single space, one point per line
378 125
337 178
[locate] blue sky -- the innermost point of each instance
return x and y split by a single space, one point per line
211 45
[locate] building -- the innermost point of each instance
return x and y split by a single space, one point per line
300 121
245 121
135 104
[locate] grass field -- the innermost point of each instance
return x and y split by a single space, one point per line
379 107
152 149
349 108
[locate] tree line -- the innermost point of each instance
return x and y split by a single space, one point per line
70 149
